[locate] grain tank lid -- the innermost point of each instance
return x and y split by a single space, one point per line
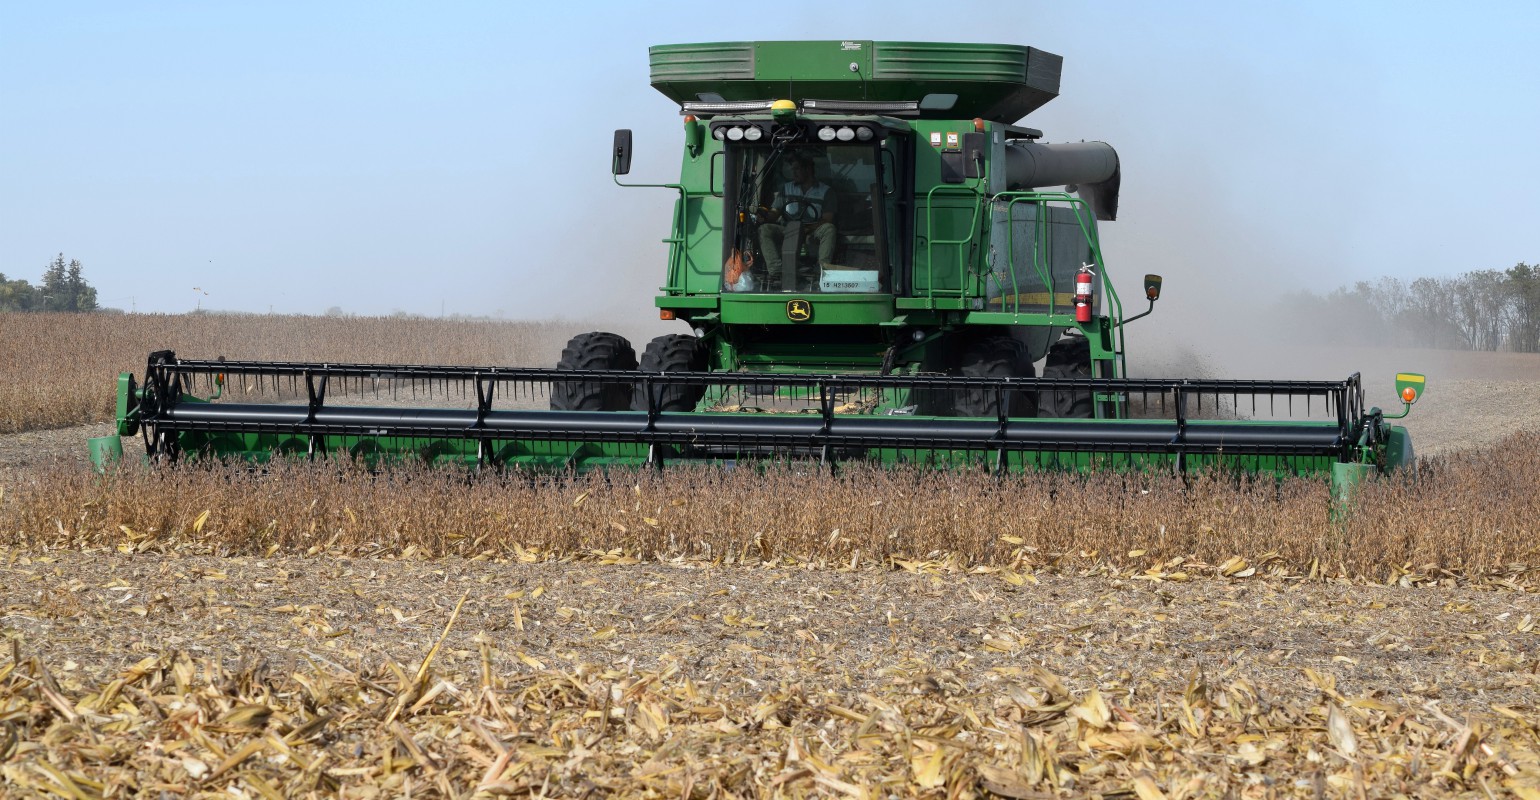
996 82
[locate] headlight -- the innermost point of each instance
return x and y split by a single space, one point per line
753 134
864 134
735 134
826 134
719 134
845 134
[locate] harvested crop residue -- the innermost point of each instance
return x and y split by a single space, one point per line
280 677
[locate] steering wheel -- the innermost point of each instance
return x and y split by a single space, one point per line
802 211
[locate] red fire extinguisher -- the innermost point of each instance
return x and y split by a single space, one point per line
1083 294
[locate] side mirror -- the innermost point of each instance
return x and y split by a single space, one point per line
620 156
1151 292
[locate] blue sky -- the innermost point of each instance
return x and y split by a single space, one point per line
415 156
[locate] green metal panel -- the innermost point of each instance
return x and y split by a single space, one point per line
1344 483
998 82
947 218
827 309
919 61
947 250
710 61
933 304
980 72
695 239
814 61
1024 318
1398 449
105 451
126 424
698 301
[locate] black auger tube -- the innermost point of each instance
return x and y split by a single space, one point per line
769 430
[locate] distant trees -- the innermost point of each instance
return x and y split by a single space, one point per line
63 289
18 295
1524 305
1486 309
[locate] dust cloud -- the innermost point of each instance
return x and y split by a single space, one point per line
1227 268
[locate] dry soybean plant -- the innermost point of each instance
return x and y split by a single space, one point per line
1470 514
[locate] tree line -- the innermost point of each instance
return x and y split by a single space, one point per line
1488 309
63 289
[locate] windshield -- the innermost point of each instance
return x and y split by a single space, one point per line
809 218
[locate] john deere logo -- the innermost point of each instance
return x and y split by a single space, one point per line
799 310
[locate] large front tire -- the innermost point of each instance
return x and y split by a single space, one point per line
994 357
595 350
675 352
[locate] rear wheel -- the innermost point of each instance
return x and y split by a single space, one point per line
594 351
1069 357
675 352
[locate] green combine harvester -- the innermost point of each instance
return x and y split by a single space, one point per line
872 255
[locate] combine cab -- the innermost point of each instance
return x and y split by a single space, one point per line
873 258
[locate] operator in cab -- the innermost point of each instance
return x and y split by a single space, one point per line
802 210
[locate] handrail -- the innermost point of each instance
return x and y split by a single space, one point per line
676 239
1088 230
931 241
676 242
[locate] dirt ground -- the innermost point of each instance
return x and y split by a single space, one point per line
1458 646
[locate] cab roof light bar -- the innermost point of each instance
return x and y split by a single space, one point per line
892 108
701 108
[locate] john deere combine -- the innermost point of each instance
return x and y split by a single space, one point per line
872 255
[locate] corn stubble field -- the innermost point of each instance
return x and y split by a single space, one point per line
317 631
